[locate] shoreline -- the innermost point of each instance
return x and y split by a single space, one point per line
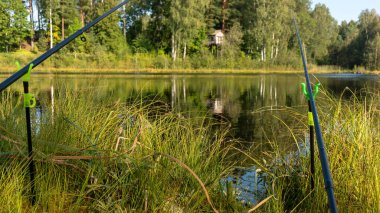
120 71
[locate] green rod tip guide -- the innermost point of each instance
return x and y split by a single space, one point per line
307 94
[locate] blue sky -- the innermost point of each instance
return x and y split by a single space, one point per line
348 9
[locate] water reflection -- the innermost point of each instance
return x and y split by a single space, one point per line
233 97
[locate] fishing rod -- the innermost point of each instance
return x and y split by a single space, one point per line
321 147
7 82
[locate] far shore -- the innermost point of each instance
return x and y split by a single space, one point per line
73 70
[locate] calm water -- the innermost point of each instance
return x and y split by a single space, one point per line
232 98
247 102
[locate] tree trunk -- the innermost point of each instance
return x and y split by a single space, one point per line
263 53
277 44
124 23
39 16
81 12
224 7
272 47
272 52
62 23
184 51
32 23
174 47
51 27
376 67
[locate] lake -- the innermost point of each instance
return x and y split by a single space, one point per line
231 97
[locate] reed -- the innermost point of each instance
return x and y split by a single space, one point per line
96 153
351 130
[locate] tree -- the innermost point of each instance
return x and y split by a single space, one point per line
108 32
31 19
84 10
306 25
50 12
344 50
67 13
223 14
184 20
157 29
140 29
323 35
372 53
369 27
266 27
14 25
231 45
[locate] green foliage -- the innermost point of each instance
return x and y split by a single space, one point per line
231 44
324 35
372 53
77 45
14 26
182 29
108 33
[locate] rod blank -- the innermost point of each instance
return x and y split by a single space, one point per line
321 147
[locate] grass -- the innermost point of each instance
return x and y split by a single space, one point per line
351 131
136 156
353 141
141 156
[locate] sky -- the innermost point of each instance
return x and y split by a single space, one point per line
348 9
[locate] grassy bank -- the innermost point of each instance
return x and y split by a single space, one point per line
351 130
152 63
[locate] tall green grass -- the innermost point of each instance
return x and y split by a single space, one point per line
351 132
139 156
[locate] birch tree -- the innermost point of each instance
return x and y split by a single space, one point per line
186 17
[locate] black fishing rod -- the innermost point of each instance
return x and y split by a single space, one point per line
7 82
321 147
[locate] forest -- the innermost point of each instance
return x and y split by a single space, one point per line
176 33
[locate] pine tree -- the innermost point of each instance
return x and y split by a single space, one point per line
108 32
